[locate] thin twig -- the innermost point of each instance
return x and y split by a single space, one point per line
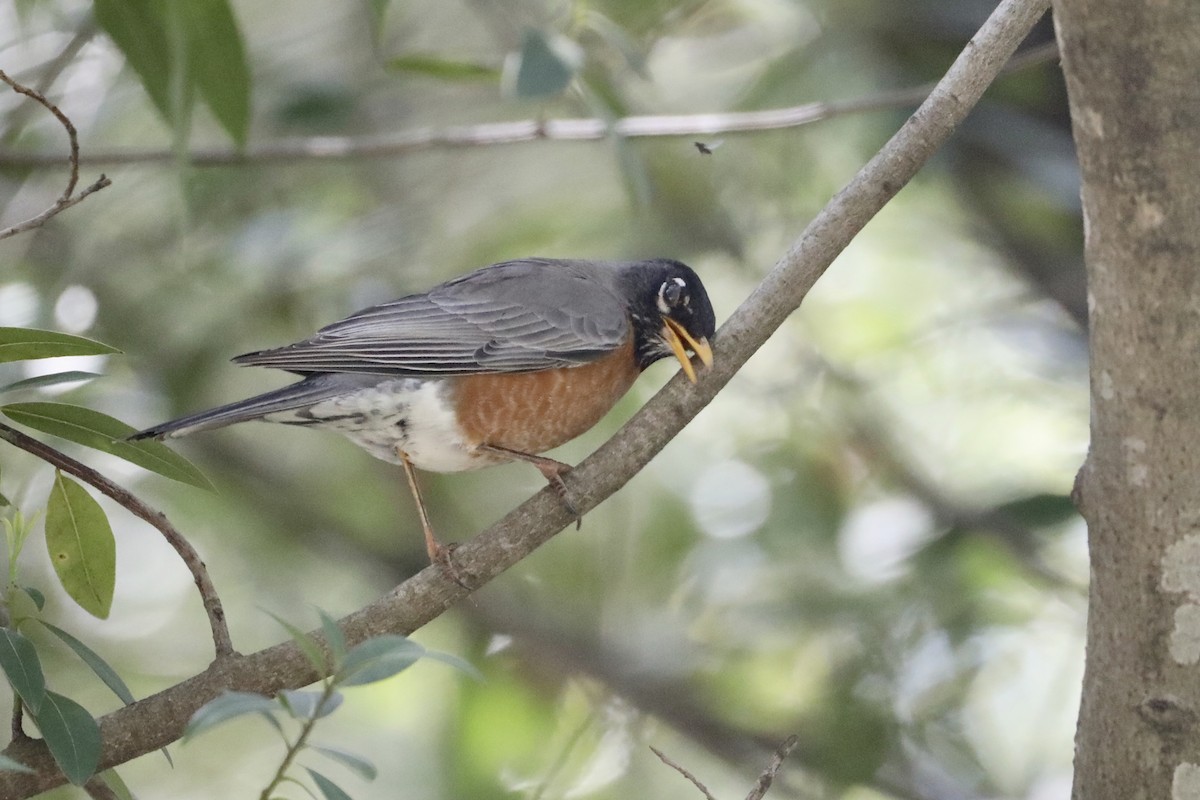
68 198
335 148
768 774
208 592
695 781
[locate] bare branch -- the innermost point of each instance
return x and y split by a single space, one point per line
66 200
156 721
208 592
695 782
338 148
768 774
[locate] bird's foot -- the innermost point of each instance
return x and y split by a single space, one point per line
553 471
441 555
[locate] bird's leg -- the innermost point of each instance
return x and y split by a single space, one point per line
551 470
438 553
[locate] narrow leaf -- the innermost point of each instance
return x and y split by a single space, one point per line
72 736
304 705
226 706
458 663
20 662
41 381
378 658
117 784
444 69
102 432
11 765
307 644
81 546
20 344
36 596
328 788
97 664
364 768
547 64
138 29
217 63
334 638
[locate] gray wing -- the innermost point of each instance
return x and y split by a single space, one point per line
518 316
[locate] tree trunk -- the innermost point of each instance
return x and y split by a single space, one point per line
1133 74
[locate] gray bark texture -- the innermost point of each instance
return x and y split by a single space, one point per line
1133 76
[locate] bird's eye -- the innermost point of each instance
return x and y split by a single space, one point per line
673 293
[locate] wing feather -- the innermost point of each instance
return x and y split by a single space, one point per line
518 316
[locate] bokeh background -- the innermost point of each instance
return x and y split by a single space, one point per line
866 539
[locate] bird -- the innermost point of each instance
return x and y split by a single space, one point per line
498 365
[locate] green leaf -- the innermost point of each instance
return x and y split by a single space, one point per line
328 788
444 69
10 765
117 784
377 659
334 638
364 768
20 344
226 706
547 64
102 432
308 704
36 596
81 546
216 59
217 63
97 664
138 29
20 662
72 736
456 662
40 381
307 644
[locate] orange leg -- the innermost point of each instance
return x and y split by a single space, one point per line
438 553
551 470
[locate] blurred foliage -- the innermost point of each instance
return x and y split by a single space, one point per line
865 540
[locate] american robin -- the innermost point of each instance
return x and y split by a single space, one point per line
497 365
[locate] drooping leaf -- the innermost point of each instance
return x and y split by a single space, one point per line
11 765
377 659
307 644
459 664
334 638
226 706
72 736
328 788
41 381
20 344
81 546
547 64
97 664
217 63
36 596
117 784
20 662
101 432
360 765
308 704
443 69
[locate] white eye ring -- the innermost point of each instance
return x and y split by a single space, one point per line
677 287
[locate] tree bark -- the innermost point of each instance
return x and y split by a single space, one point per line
1133 77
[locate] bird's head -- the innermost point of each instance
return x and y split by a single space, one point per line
672 315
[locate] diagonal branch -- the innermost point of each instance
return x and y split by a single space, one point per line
339 148
158 720
191 559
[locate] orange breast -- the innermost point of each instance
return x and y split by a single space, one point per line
534 411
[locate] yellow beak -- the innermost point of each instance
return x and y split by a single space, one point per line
681 341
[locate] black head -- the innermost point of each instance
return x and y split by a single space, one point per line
671 313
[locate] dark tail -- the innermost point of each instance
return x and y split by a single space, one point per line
298 395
